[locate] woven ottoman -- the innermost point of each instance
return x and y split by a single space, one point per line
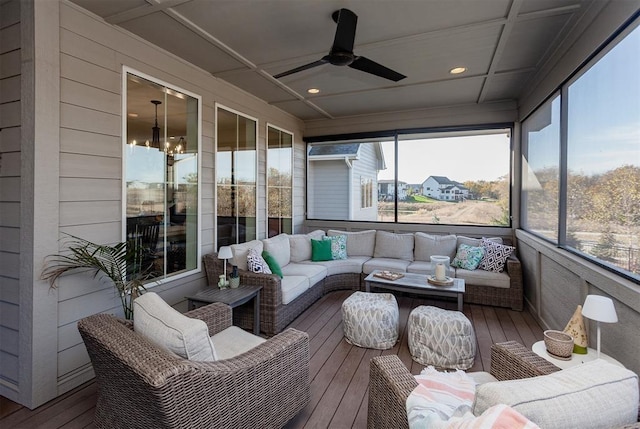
441 338
371 320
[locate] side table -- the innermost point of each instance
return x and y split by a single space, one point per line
576 359
231 297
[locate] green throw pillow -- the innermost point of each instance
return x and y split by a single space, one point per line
320 250
272 263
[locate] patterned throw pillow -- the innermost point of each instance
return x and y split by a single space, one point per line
338 246
468 257
256 263
495 256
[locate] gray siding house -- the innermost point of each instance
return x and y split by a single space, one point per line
343 181
441 188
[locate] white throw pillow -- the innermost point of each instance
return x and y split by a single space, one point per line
169 329
256 263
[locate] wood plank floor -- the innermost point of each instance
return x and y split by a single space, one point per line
339 371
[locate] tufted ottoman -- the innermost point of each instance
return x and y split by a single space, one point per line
441 338
371 320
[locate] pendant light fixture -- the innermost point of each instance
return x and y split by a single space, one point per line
155 139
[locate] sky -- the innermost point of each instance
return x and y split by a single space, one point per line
474 158
603 115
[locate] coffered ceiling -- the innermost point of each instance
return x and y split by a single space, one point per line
501 43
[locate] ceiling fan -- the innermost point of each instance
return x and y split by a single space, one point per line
341 53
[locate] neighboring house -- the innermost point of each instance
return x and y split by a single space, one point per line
441 188
343 181
414 188
387 190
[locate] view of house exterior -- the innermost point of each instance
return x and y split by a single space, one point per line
387 190
441 188
343 181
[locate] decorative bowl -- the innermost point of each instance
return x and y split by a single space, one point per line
558 343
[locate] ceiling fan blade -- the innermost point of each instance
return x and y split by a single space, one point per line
320 62
346 30
368 66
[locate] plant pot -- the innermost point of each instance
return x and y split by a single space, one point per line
234 282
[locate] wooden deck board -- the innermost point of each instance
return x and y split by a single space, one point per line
338 370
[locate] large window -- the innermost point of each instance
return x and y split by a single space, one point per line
161 176
279 181
235 177
442 177
600 205
541 170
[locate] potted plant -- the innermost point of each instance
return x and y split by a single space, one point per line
123 263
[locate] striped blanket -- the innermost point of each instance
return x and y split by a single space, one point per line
443 400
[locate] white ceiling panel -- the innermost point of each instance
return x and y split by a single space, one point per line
243 42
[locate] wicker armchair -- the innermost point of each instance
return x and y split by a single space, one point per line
390 383
143 386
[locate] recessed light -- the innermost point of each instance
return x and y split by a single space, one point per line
313 90
458 70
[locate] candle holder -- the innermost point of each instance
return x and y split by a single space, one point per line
439 263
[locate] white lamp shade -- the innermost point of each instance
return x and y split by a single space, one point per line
225 253
599 308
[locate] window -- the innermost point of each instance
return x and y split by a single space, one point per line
599 212
161 158
366 191
603 157
541 170
448 177
279 181
236 177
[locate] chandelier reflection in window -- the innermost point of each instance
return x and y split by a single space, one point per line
169 147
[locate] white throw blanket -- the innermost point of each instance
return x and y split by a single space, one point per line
443 400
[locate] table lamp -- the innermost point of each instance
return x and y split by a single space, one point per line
600 309
225 253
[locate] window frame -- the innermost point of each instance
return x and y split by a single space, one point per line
563 90
216 107
282 130
126 71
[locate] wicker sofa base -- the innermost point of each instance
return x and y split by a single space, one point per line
275 316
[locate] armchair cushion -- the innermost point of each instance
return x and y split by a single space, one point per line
596 394
169 329
234 341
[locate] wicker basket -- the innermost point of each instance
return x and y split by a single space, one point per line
558 343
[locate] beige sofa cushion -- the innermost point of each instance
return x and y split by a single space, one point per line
292 287
475 242
278 247
391 245
484 278
596 395
240 252
427 245
313 271
359 243
300 245
351 265
171 330
390 264
234 341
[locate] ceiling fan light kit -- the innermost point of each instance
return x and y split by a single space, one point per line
341 53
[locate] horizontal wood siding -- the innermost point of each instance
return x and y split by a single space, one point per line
329 189
365 167
92 54
10 121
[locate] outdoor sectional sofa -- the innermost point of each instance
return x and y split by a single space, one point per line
305 281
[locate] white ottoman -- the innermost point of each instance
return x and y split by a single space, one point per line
441 338
371 320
